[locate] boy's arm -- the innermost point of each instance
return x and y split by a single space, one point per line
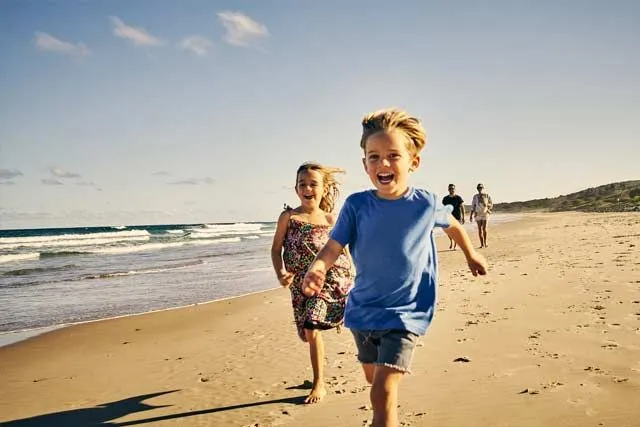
462 212
314 279
477 263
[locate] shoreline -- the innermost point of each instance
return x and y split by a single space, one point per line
12 337
25 334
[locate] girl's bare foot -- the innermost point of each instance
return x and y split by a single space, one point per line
317 394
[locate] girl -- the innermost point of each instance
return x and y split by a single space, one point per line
300 234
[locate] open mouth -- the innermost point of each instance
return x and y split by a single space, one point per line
385 178
308 197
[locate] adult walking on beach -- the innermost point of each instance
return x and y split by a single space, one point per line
458 209
481 207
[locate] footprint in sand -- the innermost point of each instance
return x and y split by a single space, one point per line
552 385
595 370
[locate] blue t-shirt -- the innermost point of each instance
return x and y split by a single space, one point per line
395 257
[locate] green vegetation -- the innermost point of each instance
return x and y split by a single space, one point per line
615 197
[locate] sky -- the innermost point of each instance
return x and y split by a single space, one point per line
157 111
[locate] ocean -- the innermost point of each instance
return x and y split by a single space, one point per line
59 276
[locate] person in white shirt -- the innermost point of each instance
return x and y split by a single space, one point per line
481 208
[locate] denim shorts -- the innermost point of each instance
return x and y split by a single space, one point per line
388 347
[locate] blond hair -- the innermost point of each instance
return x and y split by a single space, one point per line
393 119
331 189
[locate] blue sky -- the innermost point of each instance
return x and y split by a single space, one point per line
160 111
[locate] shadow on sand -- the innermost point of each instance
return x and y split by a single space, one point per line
102 415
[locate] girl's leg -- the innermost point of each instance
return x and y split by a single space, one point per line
316 351
384 396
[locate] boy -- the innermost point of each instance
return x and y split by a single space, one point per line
389 233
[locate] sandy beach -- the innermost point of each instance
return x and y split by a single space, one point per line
551 337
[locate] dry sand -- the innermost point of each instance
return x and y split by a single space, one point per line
550 338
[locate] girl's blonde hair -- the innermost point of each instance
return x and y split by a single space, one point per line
393 119
331 189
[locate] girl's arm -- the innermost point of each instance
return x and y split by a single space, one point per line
314 279
284 277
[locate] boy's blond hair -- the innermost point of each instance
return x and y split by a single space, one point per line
331 189
393 119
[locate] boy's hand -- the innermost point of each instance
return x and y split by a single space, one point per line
313 282
285 279
477 264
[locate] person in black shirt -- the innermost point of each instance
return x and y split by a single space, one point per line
458 208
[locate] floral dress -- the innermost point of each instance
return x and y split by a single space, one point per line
324 310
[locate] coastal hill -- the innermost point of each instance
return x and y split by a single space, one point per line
614 197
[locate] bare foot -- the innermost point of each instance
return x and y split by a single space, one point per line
317 393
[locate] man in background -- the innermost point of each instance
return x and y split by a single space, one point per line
458 209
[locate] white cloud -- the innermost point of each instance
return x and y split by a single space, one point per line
161 173
9 174
44 41
7 183
139 36
86 184
185 182
48 181
57 172
241 29
194 181
196 44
